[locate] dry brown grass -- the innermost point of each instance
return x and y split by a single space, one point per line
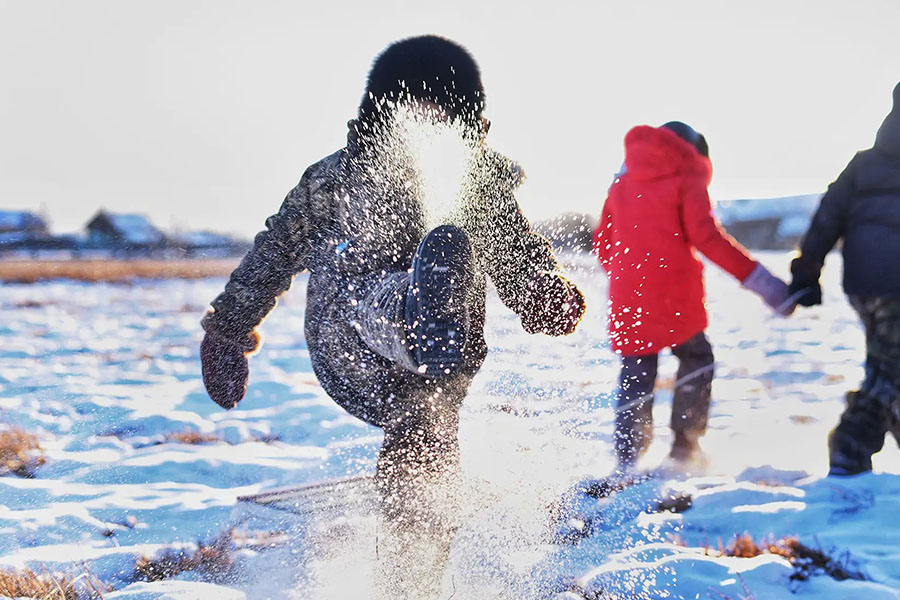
195 438
30 271
189 436
806 560
214 560
45 585
20 453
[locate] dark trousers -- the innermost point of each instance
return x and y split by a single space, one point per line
418 466
874 409
690 402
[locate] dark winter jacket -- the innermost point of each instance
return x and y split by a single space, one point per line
656 217
346 227
863 207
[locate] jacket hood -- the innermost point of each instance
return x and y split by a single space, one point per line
888 138
654 152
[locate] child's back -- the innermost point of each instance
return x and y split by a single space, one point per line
658 211
657 214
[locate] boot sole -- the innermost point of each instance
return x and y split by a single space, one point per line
436 311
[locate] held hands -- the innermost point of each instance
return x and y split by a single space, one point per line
225 370
554 307
806 294
771 289
805 285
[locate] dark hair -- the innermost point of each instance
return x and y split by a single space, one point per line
690 135
427 67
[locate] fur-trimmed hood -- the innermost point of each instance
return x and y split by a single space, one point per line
655 152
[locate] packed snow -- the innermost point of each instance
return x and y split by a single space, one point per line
106 374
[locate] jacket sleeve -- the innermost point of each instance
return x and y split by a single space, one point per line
827 226
704 232
520 261
279 252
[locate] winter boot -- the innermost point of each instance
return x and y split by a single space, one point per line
437 314
632 439
685 448
858 436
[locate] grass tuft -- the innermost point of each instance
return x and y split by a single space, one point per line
45 585
20 453
214 560
189 436
806 560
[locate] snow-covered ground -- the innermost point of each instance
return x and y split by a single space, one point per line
102 372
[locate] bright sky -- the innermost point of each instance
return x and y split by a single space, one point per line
203 114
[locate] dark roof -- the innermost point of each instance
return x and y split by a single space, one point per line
20 220
132 228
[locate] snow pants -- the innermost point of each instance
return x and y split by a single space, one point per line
358 344
874 409
690 401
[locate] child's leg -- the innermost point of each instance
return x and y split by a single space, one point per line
419 319
873 410
634 408
418 480
380 321
691 398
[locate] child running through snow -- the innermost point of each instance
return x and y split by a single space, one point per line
862 207
395 313
656 216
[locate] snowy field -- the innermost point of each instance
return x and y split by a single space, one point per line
103 373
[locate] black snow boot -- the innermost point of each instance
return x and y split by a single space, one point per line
685 447
437 313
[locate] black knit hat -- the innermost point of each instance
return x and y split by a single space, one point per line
690 135
429 68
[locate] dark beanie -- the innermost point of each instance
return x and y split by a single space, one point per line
897 97
430 68
690 135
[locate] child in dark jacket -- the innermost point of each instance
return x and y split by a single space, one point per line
862 207
395 312
656 217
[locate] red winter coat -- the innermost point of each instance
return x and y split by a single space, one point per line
656 216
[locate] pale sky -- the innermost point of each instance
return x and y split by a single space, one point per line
203 114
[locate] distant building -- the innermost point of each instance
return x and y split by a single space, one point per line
768 223
572 232
129 232
21 227
209 244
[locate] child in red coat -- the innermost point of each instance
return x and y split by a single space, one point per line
655 219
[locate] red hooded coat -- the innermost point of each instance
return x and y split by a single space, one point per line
656 217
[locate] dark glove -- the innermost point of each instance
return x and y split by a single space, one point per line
225 370
771 289
807 294
554 307
804 287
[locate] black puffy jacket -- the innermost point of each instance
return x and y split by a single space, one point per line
863 207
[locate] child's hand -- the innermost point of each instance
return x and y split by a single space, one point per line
805 285
807 294
555 308
771 289
225 370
